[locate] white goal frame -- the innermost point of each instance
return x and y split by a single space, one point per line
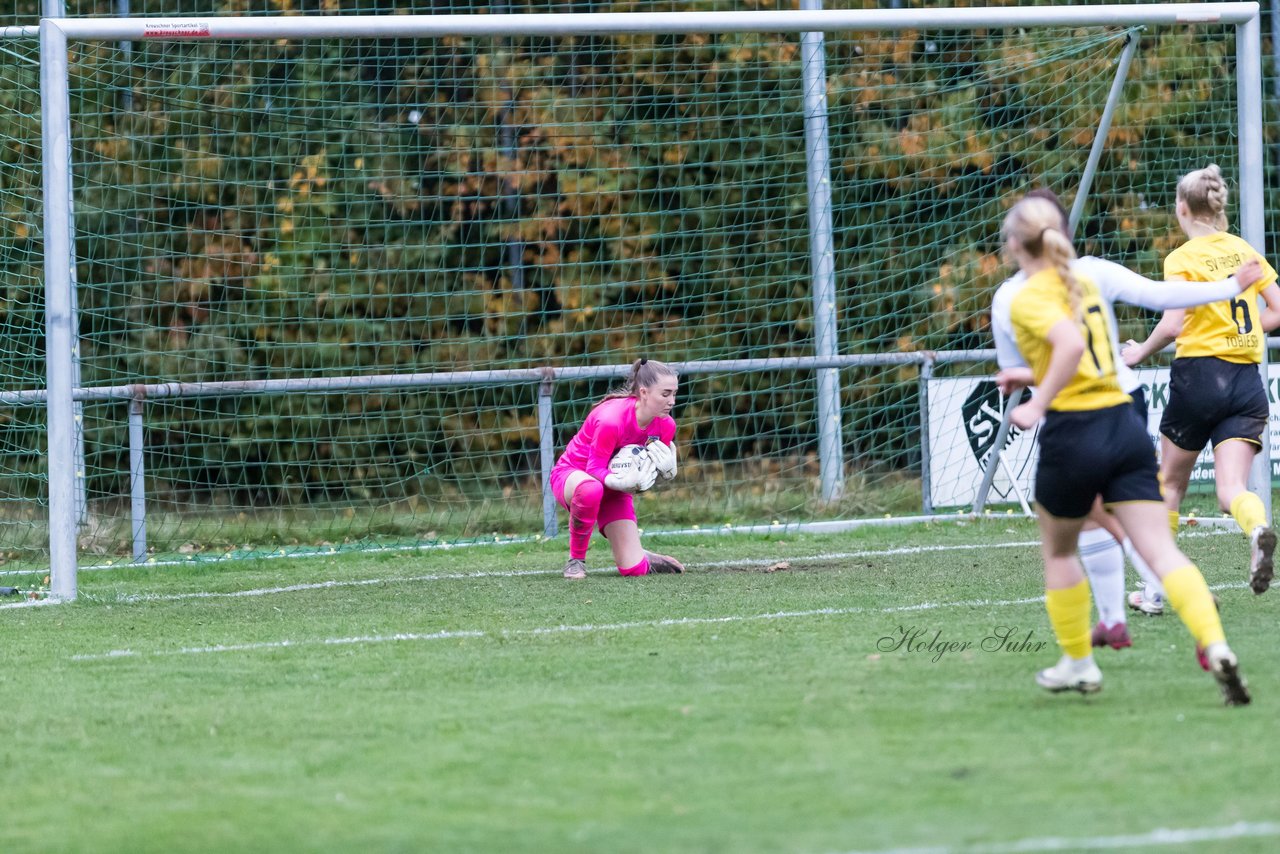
56 34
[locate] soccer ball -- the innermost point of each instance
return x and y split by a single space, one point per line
629 464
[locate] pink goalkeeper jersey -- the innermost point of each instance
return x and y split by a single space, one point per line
608 427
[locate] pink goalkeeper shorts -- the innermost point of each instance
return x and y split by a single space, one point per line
613 506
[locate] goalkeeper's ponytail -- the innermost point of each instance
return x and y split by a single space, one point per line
645 373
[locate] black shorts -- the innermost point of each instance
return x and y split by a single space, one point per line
1103 452
1212 399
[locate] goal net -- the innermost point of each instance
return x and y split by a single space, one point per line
350 282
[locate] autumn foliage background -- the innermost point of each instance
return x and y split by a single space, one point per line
295 209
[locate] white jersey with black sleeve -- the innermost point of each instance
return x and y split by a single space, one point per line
1115 283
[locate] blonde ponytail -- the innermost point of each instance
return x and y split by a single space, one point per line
1037 224
1205 194
1059 252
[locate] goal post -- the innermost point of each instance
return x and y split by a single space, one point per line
267 241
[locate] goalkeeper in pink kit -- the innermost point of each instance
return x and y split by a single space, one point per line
639 413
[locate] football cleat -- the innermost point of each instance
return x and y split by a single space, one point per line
1219 660
1145 602
575 569
1071 675
663 563
1115 636
1262 547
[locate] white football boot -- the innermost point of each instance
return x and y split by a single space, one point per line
1147 601
1222 663
1262 548
1070 674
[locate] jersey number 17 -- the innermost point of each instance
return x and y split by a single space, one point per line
1098 336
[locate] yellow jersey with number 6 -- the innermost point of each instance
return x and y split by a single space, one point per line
1229 329
1038 306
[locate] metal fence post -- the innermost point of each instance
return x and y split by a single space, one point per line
137 479
547 455
126 49
926 475
822 256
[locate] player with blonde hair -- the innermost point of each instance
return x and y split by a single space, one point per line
638 413
1091 443
1215 389
1103 544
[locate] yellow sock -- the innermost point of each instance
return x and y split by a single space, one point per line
1190 597
1248 511
1069 615
1173 522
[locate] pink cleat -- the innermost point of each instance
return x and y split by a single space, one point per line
1115 636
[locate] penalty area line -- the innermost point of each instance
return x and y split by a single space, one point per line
1158 837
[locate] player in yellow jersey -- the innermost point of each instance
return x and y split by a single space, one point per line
1103 545
1215 390
1092 443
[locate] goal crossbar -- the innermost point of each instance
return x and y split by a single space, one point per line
631 23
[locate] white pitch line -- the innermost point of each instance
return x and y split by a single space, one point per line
321 585
1159 836
519 573
904 550
568 629
456 576
28 603
542 630
561 629
282 644
1211 522
307 552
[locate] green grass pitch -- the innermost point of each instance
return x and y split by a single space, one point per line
742 707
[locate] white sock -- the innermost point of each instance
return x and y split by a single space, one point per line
1103 561
1153 586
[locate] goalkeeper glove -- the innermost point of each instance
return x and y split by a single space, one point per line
648 474
664 458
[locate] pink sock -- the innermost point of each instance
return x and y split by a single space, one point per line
642 568
584 509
